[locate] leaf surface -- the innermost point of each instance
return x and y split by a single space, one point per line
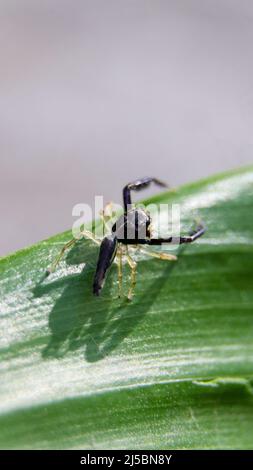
171 369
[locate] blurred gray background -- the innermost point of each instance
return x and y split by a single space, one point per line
95 93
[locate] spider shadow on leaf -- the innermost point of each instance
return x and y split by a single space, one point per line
79 320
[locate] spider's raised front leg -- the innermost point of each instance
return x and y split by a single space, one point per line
137 186
193 235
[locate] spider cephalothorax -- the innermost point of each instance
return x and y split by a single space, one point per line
132 225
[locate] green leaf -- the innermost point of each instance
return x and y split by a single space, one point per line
171 369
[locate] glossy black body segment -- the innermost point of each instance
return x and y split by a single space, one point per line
137 186
106 256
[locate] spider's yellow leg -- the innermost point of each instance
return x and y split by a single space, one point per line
133 266
104 221
61 254
85 233
161 255
119 263
90 236
106 214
